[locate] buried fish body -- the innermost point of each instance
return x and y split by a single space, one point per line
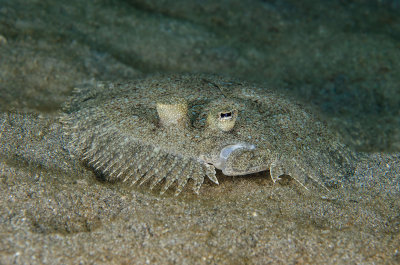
176 128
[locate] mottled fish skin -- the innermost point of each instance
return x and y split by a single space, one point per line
176 128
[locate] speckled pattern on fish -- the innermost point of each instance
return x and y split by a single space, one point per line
176 129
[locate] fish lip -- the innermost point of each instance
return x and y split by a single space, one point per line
225 153
230 172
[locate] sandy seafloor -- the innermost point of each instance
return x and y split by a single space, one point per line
340 57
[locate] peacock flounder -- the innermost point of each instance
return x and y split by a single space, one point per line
170 129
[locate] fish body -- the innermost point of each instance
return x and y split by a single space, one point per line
177 128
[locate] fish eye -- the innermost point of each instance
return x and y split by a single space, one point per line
222 120
172 112
226 115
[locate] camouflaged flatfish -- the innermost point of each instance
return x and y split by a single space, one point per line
171 129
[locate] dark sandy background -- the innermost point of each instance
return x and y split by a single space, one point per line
340 57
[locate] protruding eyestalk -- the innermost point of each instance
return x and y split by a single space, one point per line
222 119
173 112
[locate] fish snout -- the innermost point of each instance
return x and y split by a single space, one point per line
240 159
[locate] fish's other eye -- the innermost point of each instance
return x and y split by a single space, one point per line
173 112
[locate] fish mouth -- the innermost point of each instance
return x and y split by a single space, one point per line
226 152
238 159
